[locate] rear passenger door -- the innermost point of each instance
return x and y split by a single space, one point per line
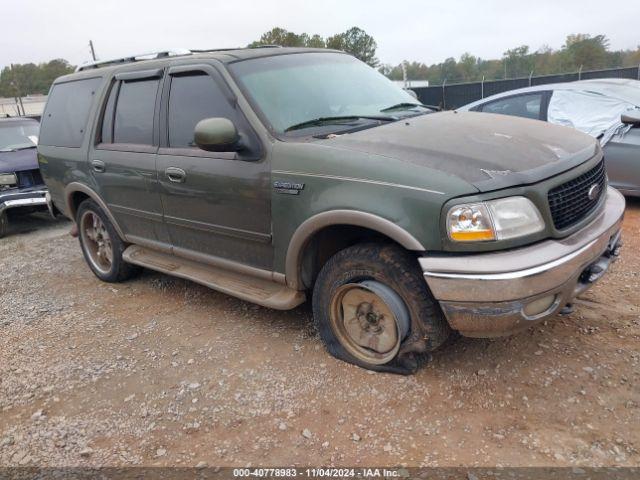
124 160
219 203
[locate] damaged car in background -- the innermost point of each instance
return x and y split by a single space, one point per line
607 109
22 190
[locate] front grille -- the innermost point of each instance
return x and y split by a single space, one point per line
570 202
29 178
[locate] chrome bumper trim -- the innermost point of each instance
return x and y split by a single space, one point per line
24 202
487 277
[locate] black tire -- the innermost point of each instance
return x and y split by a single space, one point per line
118 270
398 269
4 224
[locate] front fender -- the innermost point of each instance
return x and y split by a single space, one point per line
305 232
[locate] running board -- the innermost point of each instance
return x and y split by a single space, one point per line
252 289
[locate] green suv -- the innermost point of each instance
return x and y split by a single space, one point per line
280 174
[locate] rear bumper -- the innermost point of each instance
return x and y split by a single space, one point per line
499 293
24 198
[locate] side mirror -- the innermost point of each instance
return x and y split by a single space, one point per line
217 135
631 118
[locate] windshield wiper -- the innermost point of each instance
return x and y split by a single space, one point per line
404 105
15 149
329 120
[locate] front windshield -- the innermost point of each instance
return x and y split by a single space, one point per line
292 89
18 135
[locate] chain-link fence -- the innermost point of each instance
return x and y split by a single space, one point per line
456 95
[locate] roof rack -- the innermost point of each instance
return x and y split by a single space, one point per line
162 54
134 58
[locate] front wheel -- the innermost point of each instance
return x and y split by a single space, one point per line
101 246
372 308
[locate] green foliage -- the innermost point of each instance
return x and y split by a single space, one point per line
282 37
354 41
592 53
589 52
29 78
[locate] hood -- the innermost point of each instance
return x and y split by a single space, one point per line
486 150
17 161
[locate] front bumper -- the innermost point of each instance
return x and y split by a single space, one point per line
24 198
499 293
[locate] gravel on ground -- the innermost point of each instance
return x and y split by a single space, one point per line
161 371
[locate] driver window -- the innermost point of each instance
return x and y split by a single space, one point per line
193 97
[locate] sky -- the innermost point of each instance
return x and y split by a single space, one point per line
427 31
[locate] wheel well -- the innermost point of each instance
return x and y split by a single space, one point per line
75 200
327 242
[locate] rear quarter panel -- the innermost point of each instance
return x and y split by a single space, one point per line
63 165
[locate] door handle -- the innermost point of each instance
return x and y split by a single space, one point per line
98 166
175 175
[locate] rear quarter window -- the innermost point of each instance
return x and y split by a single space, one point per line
64 122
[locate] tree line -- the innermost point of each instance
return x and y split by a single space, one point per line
579 51
355 41
30 78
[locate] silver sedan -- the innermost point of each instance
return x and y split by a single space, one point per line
608 109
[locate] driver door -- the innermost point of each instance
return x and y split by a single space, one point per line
216 204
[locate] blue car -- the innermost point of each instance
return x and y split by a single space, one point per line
22 189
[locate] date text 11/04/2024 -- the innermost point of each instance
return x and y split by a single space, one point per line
318 472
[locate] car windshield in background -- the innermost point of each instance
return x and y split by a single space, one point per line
291 90
18 135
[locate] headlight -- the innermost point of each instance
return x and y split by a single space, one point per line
499 219
8 179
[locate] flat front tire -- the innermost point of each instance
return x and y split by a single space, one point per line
101 245
372 308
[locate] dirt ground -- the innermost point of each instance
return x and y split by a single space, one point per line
160 371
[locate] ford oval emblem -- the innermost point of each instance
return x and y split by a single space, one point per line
594 191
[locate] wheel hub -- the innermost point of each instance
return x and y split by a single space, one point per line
370 319
97 241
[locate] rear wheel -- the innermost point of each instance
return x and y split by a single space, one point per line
372 308
101 245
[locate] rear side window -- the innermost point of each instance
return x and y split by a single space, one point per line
133 121
67 112
192 98
527 106
106 134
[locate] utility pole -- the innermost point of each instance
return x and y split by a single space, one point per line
93 52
